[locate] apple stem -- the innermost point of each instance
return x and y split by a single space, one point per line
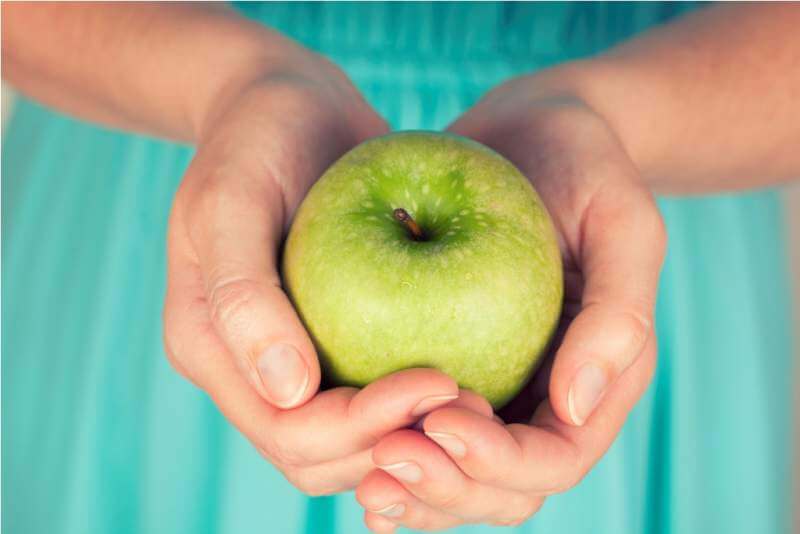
402 215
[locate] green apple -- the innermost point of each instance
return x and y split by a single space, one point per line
423 249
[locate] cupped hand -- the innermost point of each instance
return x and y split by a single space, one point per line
228 325
468 468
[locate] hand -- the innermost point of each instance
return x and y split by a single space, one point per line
468 468
228 325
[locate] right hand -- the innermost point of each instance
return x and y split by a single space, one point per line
612 243
228 325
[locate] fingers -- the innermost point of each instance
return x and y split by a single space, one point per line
470 400
514 466
378 524
621 252
430 475
467 400
347 420
547 456
386 502
516 457
328 478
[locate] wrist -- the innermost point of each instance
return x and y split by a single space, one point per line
254 54
614 93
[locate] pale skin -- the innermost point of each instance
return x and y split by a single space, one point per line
670 111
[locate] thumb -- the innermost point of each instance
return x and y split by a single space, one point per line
621 253
235 229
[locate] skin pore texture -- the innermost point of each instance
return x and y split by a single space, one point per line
477 295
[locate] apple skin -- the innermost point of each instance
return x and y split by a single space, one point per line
479 299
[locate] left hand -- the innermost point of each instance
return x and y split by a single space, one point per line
468 468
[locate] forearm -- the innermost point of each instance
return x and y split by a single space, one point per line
156 68
709 102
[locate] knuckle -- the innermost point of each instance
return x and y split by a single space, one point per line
231 300
179 341
524 508
638 325
568 482
661 235
176 364
572 472
171 350
451 500
511 522
175 353
576 467
533 508
217 193
653 234
375 523
499 476
170 337
300 480
426 522
626 327
657 230
626 331
649 224
507 472
281 454
650 358
364 496
309 482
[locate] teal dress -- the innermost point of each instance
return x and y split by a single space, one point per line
99 435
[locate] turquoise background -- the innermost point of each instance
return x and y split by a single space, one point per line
100 435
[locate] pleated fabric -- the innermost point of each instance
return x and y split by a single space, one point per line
99 435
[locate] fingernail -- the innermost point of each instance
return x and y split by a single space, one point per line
284 374
585 392
393 510
405 471
449 442
431 403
